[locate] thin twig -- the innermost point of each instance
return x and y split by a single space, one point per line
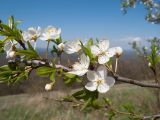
40 63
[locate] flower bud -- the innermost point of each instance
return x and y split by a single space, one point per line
149 64
61 47
11 54
118 51
49 86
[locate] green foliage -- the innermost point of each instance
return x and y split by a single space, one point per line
9 76
29 53
69 79
152 7
11 31
46 72
89 98
86 49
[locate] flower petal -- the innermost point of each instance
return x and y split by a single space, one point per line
102 59
92 76
95 50
110 81
111 52
8 46
91 86
72 47
103 88
103 45
84 61
102 72
79 72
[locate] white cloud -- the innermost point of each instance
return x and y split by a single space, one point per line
131 39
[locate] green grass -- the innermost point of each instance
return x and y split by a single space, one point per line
35 107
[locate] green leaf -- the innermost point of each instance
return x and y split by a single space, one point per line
11 22
6 28
30 46
90 43
87 51
87 103
52 76
69 75
21 76
79 94
28 54
45 71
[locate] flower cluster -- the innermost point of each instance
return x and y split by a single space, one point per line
90 54
101 55
49 33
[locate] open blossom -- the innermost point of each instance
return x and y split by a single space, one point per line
80 68
51 33
72 47
32 34
99 80
60 46
102 51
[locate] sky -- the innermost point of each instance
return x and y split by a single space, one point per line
82 19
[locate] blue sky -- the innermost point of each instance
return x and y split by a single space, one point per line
82 19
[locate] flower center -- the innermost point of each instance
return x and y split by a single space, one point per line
99 82
34 37
102 53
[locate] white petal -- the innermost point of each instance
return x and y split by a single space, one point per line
25 36
92 76
44 36
103 88
95 50
102 59
8 46
110 81
79 73
119 50
77 66
103 45
32 31
59 31
111 52
84 60
72 47
91 86
102 72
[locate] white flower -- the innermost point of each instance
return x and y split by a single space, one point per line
99 80
81 67
11 54
51 33
32 34
117 51
61 46
9 47
72 47
102 51
48 86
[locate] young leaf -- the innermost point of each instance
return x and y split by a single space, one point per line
45 71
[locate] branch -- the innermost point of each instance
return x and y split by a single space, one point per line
40 63
135 82
154 117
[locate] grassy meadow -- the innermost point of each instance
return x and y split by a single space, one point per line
37 107
27 99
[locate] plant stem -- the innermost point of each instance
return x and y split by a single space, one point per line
116 66
47 49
